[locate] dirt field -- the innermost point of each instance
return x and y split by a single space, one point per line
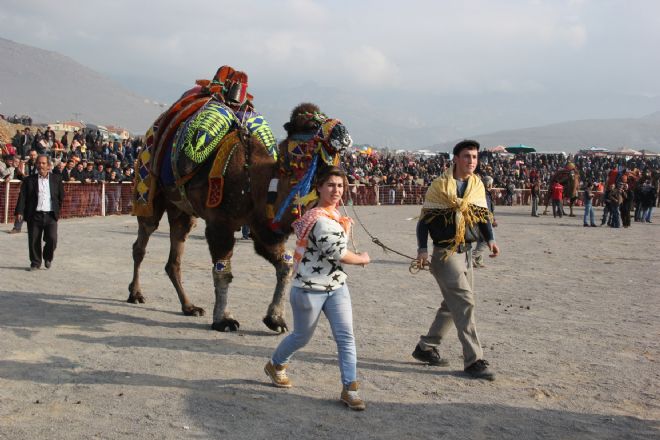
569 318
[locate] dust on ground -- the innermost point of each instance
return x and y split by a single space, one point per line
569 318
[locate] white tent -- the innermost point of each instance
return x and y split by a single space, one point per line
623 151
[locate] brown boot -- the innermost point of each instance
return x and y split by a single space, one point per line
277 375
351 398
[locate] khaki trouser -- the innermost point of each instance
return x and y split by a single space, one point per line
454 276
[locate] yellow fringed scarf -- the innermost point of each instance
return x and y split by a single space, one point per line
472 208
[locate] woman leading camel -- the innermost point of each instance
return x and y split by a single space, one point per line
319 285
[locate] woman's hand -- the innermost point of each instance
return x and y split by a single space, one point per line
361 258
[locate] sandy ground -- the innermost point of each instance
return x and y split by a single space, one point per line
569 318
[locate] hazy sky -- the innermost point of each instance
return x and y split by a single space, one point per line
467 47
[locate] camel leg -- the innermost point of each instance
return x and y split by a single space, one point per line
146 227
282 261
180 226
546 201
221 244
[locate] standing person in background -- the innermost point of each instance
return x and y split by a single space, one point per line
626 205
24 170
39 204
478 254
49 137
319 285
535 189
68 169
16 142
455 213
557 199
637 195
615 199
510 191
648 200
25 143
9 170
77 136
588 205
64 140
607 210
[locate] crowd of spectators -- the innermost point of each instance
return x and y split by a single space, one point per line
85 157
505 169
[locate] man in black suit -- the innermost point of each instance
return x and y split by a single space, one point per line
39 203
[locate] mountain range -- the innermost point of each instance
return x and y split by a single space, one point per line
49 87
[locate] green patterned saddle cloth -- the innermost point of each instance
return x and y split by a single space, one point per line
198 138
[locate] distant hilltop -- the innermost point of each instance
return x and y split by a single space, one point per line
613 134
51 87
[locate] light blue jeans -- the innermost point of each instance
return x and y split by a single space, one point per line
307 306
589 213
648 213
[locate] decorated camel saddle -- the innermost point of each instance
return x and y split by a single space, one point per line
201 126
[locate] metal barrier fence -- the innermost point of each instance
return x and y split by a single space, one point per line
101 199
414 195
80 199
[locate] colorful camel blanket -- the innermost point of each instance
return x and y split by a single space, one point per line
225 152
199 136
441 199
143 179
257 126
186 136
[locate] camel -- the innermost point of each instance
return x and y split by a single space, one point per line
570 179
244 194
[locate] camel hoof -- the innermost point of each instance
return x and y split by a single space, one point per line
193 311
135 298
275 323
225 325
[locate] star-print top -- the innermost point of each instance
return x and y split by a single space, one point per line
319 268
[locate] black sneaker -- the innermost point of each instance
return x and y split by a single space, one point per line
479 370
47 263
431 357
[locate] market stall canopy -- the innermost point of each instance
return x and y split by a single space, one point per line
520 148
497 149
648 153
627 152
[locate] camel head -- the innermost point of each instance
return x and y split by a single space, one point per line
307 120
313 142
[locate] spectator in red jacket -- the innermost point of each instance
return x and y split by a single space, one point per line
557 198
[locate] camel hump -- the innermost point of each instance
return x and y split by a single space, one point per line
200 135
257 126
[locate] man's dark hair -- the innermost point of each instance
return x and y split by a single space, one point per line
466 144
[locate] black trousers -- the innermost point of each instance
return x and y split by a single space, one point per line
42 225
625 215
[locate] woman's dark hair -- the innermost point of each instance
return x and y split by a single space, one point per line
327 172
